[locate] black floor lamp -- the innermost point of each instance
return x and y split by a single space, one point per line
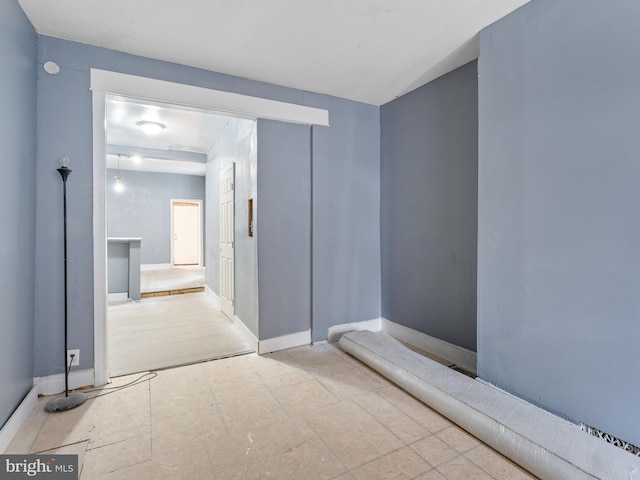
75 399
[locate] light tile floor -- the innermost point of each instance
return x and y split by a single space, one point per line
301 414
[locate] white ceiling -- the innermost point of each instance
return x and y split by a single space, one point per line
365 50
187 130
181 147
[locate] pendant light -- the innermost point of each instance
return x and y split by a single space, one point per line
118 186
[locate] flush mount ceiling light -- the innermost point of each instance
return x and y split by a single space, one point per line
151 128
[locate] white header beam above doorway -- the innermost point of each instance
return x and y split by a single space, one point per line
224 103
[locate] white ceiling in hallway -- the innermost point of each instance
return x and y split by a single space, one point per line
186 129
365 50
181 147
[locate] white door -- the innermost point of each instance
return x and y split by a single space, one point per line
226 242
186 232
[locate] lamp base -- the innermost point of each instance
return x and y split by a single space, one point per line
66 403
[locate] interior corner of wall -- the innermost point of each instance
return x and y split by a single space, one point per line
336 331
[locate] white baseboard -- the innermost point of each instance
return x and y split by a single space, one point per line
54 384
247 334
118 297
284 342
456 355
213 296
335 332
19 416
154 266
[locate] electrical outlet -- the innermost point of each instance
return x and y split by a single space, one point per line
76 358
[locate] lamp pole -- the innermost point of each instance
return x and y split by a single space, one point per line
64 172
77 398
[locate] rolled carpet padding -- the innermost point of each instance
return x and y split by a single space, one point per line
540 442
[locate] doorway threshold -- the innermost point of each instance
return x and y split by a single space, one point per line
166 293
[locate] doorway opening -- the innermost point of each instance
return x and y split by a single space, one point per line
161 199
186 232
105 83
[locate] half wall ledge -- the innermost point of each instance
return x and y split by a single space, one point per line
540 442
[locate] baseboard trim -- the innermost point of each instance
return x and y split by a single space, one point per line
459 356
213 296
153 266
118 297
247 334
54 384
284 342
17 418
335 332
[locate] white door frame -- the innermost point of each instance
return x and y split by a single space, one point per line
200 246
224 103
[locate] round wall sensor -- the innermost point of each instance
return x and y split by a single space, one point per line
51 68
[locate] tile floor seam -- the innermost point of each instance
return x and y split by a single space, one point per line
410 444
333 395
465 458
42 424
429 466
317 379
407 415
386 428
100 446
125 466
352 401
372 373
39 452
382 399
276 399
220 415
211 462
479 466
430 469
516 466
149 389
439 473
449 444
436 466
346 469
120 468
40 427
458 455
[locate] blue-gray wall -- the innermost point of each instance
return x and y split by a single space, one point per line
237 145
17 197
559 197
346 217
429 207
65 124
143 208
284 228
64 128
